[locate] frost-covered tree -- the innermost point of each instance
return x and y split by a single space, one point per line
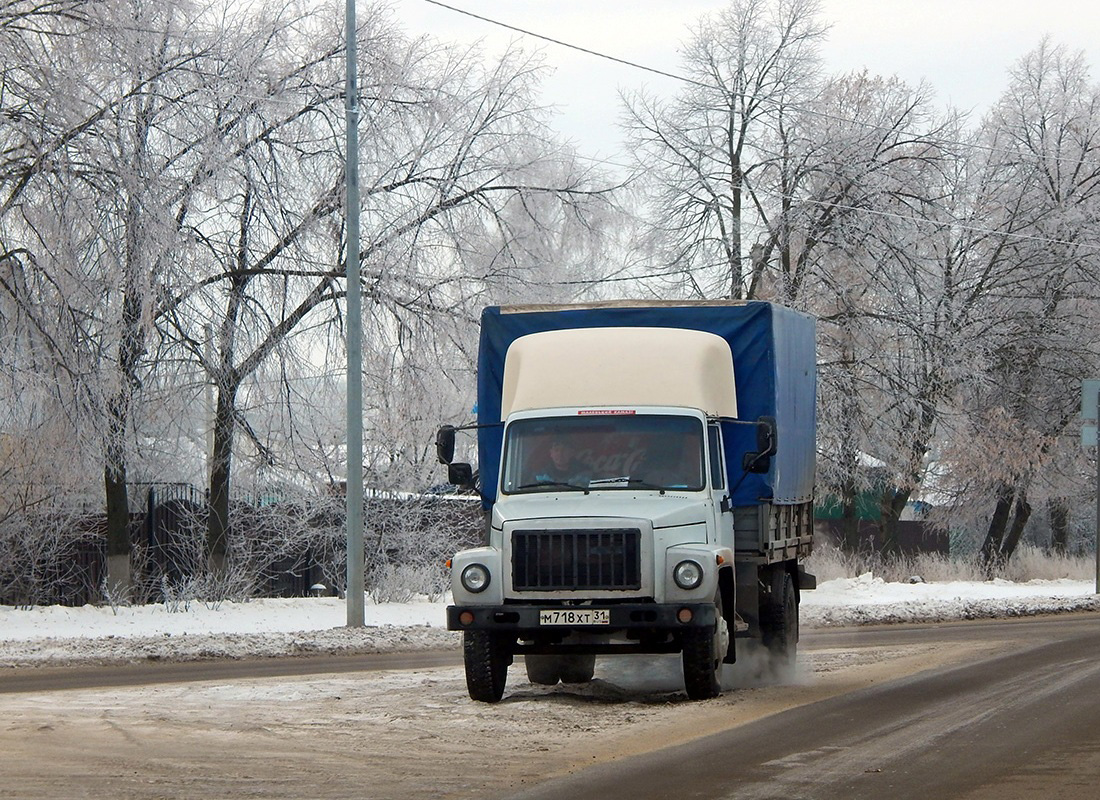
170 219
845 170
702 151
944 266
36 371
772 181
1037 312
885 283
78 209
461 181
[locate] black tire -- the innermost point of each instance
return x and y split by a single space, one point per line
543 669
578 668
704 651
779 618
487 657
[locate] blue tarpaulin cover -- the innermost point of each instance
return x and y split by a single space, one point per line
774 368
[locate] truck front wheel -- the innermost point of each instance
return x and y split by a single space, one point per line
487 656
704 652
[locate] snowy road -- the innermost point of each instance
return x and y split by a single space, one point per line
204 702
1020 724
398 733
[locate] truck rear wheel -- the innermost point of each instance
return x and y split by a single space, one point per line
547 670
704 651
578 667
487 656
780 619
542 669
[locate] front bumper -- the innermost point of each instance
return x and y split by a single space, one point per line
523 620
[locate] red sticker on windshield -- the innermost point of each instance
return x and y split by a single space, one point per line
588 412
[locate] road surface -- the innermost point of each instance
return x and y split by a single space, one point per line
1022 724
979 710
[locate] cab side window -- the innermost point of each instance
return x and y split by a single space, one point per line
714 444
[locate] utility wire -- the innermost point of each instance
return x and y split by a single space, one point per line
742 95
815 112
681 78
276 100
545 38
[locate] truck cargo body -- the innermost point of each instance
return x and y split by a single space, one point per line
648 474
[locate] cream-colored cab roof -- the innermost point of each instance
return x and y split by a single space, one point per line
619 367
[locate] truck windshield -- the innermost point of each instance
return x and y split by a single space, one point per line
603 451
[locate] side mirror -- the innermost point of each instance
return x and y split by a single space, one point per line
766 436
766 442
445 444
461 475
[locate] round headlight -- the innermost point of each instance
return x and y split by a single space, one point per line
688 575
475 578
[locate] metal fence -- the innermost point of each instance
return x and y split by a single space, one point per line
282 548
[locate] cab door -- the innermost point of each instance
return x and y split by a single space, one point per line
719 491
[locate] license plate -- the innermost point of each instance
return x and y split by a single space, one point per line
574 616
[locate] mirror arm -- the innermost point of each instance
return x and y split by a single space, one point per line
451 430
474 426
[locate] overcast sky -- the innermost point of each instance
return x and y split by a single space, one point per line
963 48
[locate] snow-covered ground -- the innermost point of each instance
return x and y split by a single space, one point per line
56 634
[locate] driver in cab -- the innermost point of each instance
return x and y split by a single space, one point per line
562 465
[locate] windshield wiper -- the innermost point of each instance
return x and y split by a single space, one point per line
641 483
546 484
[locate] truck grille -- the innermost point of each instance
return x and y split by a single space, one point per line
608 558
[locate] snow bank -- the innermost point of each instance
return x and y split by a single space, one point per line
870 600
276 627
256 616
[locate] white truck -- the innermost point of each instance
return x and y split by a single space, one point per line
647 470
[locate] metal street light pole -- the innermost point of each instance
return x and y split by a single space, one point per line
1090 417
354 494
